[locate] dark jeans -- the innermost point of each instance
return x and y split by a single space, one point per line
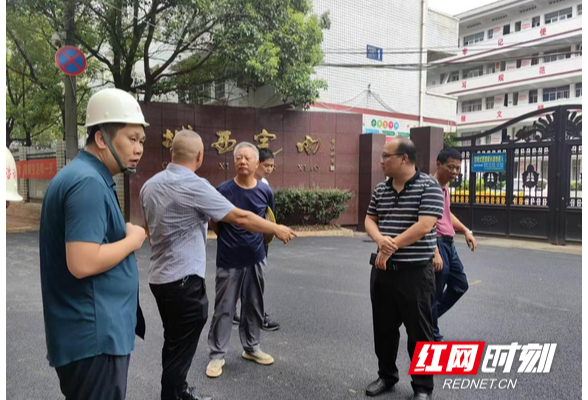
402 297
183 307
453 276
102 377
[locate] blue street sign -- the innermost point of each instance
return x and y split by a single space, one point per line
374 53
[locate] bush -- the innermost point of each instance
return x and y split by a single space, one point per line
305 206
576 185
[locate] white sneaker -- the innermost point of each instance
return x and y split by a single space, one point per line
259 357
215 368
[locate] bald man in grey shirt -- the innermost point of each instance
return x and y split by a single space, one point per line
177 205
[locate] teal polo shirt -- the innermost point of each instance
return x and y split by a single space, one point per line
98 314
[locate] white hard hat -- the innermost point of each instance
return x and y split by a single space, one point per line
11 176
113 106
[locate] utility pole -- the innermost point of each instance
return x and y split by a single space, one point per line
71 112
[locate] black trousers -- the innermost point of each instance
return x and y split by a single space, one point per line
102 377
402 297
183 307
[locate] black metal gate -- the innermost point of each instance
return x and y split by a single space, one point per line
540 193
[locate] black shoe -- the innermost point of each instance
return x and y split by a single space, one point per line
378 387
236 320
268 324
421 396
190 394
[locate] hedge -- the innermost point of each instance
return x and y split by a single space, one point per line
304 206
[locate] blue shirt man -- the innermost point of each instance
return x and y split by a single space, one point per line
238 247
89 277
97 314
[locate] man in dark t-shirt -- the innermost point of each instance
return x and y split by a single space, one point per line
240 262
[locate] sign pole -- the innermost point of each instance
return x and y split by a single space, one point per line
71 120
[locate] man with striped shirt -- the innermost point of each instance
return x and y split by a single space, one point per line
401 219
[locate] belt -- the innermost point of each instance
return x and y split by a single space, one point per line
404 266
448 239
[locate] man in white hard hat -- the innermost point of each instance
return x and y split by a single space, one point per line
89 277
11 177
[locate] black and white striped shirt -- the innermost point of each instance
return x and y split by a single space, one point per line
397 212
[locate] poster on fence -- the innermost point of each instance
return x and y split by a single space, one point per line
37 169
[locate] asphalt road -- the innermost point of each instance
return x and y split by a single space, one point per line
318 289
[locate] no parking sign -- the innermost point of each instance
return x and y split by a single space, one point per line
70 60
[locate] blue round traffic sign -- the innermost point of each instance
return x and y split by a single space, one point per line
70 60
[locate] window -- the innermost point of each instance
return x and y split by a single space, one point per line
473 72
491 68
506 100
555 55
454 77
517 26
466 134
532 96
556 93
579 89
442 78
490 33
515 99
558 16
489 103
471 106
506 29
502 65
579 9
535 22
200 94
219 90
519 62
579 50
535 59
475 38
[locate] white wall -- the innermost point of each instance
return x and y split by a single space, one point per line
441 30
388 25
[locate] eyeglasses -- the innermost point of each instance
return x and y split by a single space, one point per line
385 156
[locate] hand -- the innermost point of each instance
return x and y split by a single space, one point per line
471 241
437 262
284 233
387 245
136 234
381 260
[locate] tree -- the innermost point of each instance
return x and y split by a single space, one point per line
179 43
34 85
276 43
31 108
449 139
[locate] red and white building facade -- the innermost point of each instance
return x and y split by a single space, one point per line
514 57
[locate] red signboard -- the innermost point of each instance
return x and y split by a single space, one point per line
37 169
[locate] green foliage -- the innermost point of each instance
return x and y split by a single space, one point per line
449 139
34 85
181 44
576 185
310 206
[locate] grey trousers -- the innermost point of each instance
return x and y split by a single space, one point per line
248 282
